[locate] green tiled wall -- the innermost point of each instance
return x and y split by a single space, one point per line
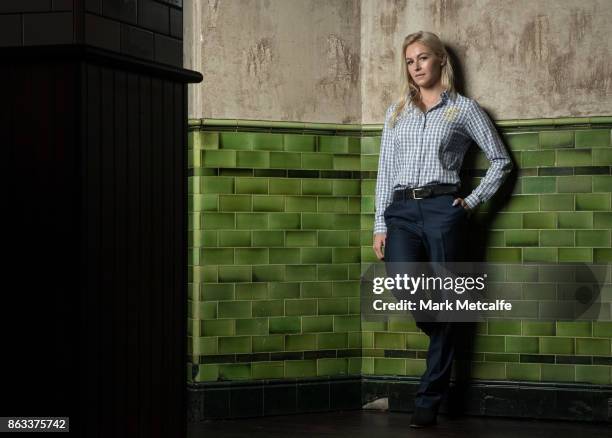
281 222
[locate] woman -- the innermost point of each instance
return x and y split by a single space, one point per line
420 216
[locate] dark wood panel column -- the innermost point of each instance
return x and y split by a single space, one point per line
95 159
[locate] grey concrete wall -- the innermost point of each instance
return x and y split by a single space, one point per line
337 60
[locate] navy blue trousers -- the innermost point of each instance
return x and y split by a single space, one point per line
429 230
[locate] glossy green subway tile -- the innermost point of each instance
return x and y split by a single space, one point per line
251 256
521 237
299 143
540 255
268 141
575 255
253 159
231 273
285 160
354 304
284 221
504 327
602 219
523 371
332 272
301 204
556 238
318 161
316 289
332 238
593 238
573 157
539 220
234 309
392 341
557 372
346 255
316 255
220 327
518 344
538 328
602 183
301 368
346 323
593 346
575 184
486 343
346 289
330 341
556 345
390 366
556 139
289 256
347 162
333 306
318 221
592 138
285 324
574 328
235 371
268 273
300 272
254 326
237 140
332 366
415 367
251 291
267 370
268 239
539 184
507 221
208 310
596 374
217 291
300 342
369 163
235 344
602 329
234 238
229 203
287 289
214 256
218 158
602 255
370 145
317 324
300 238
416 341
209 140
504 255
251 185
208 372
537 158
346 187
251 221
347 221
207 345
218 221
557 202
602 157
285 186
334 144
580 219
522 140
332 205
354 338
502 357
268 343
488 371
316 187
268 308
521 203
300 307
268 203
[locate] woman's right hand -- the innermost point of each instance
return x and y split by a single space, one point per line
379 242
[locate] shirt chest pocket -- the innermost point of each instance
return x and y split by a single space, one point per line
453 138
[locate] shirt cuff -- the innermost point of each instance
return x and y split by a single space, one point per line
472 201
380 228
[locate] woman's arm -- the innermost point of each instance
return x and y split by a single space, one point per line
384 189
483 132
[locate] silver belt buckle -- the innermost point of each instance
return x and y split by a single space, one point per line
414 193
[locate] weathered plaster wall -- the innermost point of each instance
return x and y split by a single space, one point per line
338 60
288 60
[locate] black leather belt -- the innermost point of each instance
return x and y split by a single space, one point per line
424 191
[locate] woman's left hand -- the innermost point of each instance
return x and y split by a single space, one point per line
462 202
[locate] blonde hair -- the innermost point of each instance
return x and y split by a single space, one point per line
408 88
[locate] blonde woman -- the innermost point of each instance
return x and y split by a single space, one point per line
420 215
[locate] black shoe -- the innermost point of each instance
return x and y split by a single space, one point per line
423 417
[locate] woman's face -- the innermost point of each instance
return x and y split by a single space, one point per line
423 65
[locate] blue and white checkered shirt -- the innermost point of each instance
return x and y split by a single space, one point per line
428 148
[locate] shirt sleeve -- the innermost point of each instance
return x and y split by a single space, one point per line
384 182
483 132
